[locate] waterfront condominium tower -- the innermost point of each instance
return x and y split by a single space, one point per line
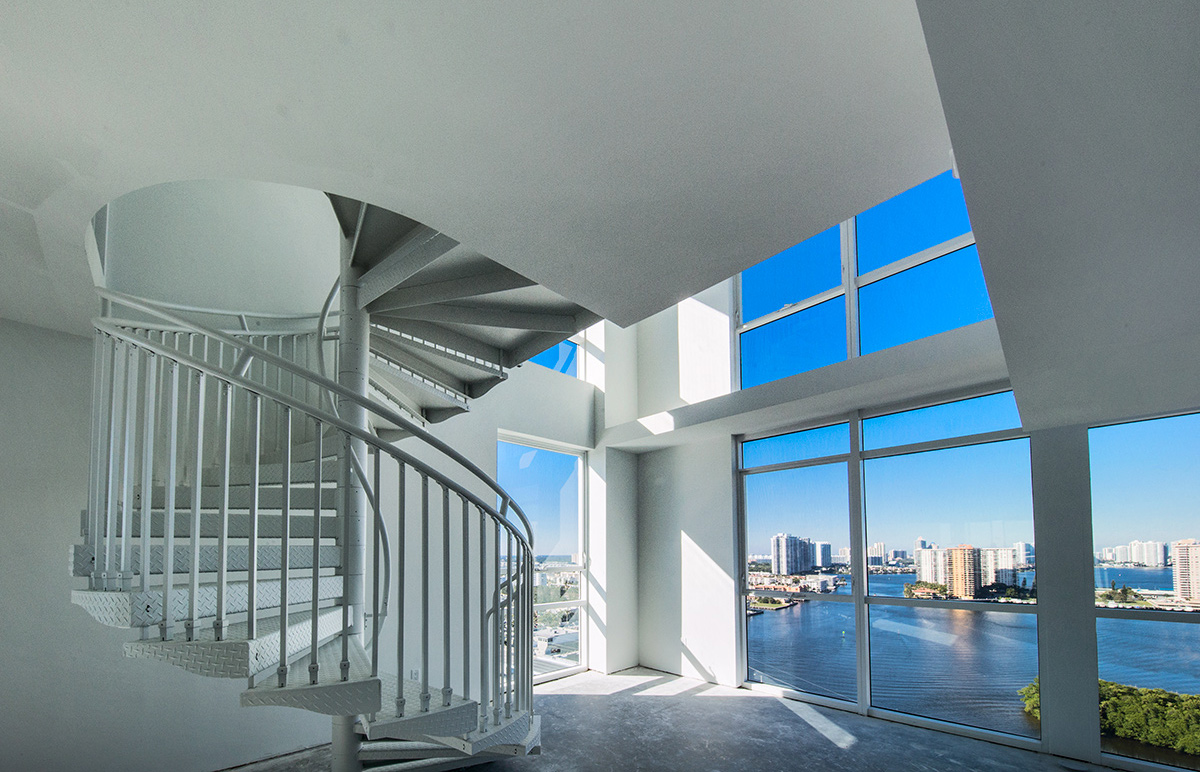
1187 570
790 555
965 571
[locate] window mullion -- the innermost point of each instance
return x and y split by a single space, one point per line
858 566
850 285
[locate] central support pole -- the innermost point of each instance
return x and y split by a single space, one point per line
353 361
345 746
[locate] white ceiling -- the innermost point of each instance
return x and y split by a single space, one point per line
1076 126
625 155
629 155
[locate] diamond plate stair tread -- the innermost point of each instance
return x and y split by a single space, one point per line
395 750
237 558
144 608
240 497
510 732
237 656
272 474
459 718
270 524
330 696
433 765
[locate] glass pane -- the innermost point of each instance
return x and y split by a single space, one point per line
955 665
806 646
561 358
810 267
797 529
1145 484
546 485
804 341
555 586
555 639
992 413
1150 690
920 218
797 446
964 512
933 297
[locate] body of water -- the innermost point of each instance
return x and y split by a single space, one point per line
956 665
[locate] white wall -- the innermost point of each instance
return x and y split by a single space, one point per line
228 244
687 595
71 701
612 560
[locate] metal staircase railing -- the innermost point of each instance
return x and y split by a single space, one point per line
163 477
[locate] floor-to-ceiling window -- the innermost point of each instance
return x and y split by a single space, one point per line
891 563
548 484
1146 537
902 270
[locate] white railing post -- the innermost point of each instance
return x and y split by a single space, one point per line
225 409
483 631
314 666
255 416
150 417
197 504
424 593
445 597
466 600
402 585
167 626
116 408
128 459
285 541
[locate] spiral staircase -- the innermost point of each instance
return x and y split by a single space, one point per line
252 514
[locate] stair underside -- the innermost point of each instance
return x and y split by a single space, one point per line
270 524
143 608
238 657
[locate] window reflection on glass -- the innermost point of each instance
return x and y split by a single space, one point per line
955 665
921 217
1146 536
991 413
809 268
562 358
933 297
804 341
953 524
797 446
546 485
555 586
807 646
555 639
1150 690
798 530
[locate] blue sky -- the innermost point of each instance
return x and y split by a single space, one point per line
546 485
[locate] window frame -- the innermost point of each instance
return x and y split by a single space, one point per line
858 555
849 288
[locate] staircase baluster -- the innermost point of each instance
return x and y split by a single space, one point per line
129 458
285 542
380 545
496 623
225 410
483 633
99 354
314 666
424 592
167 626
466 599
116 406
445 596
255 415
402 586
344 472
511 629
197 502
148 464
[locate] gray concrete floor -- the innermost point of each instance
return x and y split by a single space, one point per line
646 720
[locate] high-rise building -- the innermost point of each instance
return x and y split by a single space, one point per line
1024 553
998 565
1121 553
920 544
964 574
895 555
822 554
790 555
843 556
932 565
1186 572
877 554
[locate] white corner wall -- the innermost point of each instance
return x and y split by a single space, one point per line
687 561
71 700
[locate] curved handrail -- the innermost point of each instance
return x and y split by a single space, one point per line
506 501
284 399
